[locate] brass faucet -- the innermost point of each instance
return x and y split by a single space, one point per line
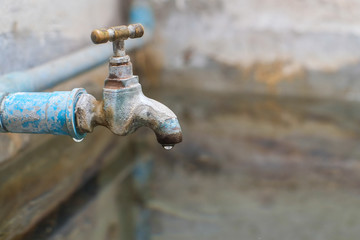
124 107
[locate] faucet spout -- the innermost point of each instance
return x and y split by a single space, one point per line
160 119
124 107
124 110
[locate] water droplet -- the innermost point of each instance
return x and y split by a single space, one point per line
78 140
168 147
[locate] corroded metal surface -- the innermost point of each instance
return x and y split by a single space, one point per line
124 107
124 110
128 108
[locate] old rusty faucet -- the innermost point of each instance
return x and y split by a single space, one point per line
124 107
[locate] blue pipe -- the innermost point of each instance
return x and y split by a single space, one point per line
41 112
54 72
50 74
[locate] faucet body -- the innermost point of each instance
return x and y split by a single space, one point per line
123 109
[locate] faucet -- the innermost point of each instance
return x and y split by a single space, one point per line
123 109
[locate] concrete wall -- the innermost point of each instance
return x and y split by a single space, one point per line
262 89
304 48
267 94
33 32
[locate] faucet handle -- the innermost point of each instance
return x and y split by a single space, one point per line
113 34
118 35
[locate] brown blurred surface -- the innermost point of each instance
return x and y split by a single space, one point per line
255 166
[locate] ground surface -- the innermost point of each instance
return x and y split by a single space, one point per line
257 167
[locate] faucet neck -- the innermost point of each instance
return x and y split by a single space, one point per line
119 48
120 67
120 71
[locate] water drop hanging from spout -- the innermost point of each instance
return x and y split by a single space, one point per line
168 147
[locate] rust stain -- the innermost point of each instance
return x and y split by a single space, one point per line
273 73
114 84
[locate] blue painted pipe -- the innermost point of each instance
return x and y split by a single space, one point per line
41 112
52 73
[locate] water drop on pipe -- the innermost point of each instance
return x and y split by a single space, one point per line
168 147
78 140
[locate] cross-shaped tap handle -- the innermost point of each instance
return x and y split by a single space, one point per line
112 34
117 35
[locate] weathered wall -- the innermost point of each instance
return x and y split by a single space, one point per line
305 48
252 166
271 140
33 32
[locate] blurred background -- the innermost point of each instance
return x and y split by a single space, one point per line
267 94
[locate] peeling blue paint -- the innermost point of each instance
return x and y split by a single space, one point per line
171 124
41 112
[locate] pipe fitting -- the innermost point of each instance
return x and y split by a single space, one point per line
41 113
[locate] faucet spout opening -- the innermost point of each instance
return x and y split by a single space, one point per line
124 113
169 132
161 120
